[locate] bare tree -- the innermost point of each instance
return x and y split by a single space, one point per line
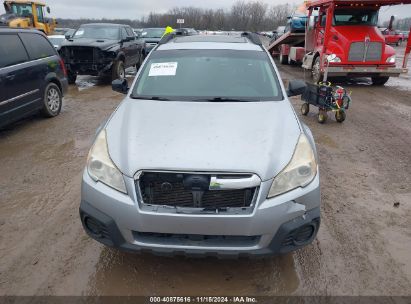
243 15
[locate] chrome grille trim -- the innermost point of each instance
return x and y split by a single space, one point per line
361 51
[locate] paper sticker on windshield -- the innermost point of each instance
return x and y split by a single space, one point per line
79 32
163 69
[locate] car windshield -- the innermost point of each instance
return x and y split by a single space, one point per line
153 33
98 32
208 75
355 17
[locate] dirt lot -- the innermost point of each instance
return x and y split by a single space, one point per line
363 247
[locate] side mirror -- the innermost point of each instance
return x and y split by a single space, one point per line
296 87
68 37
120 85
288 17
48 9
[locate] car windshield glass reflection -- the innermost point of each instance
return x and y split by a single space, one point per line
98 32
208 75
152 33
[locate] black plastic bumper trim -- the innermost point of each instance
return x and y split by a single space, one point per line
116 240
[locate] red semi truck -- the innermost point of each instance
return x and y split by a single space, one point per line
407 53
346 29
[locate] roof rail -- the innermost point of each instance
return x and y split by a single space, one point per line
253 37
167 38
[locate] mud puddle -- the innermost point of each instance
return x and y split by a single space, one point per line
130 274
85 82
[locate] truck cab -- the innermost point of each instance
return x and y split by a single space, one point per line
348 30
28 14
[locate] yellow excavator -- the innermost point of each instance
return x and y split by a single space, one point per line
27 14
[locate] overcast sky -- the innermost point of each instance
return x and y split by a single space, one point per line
134 9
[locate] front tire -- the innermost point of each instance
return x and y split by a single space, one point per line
322 116
340 116
283 59
305 109
119 71
52 101
316 71
379 81
71 77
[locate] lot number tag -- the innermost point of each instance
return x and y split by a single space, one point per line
163 69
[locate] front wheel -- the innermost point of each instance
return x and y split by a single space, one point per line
52 100
322 116
340 116
379 81
283 59
305 109
119 71
71 77
316 71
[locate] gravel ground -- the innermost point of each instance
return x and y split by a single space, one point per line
363 247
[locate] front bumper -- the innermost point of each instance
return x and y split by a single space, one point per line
366 71
95 69
116 220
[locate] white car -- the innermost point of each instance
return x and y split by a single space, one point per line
56 40
205 156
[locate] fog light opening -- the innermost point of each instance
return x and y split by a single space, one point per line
93 227
304 234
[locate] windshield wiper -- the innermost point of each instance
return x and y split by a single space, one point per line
150 98
226 99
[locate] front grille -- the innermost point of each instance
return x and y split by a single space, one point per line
172 189
81 54
196 239
360 52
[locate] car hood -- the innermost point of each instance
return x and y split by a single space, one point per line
152 40
359 34
249 137
103 44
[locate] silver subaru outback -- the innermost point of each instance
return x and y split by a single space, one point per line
205 156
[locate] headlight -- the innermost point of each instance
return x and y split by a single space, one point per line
101 168
391 59
334 57
300 171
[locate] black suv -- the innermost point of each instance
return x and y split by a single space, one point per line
150 37
32 75
101 49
